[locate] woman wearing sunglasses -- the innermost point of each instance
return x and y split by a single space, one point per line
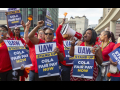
48 38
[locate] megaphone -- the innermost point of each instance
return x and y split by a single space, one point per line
67 30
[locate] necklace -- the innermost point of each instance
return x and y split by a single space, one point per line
1 44
105 45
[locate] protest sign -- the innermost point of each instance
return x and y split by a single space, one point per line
18 54
83 62
115 56
69 60
14 17
48 20
47 60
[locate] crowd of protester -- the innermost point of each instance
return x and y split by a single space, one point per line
102 62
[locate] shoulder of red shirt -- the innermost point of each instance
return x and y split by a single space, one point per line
111 45
116 46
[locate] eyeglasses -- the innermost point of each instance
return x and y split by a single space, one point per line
17 29
3 31
48 33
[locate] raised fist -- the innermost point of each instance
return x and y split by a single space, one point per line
40 23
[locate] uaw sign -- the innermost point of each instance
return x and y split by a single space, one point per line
83 62
18 54
14 17
115 56
69 60
47 60
48 20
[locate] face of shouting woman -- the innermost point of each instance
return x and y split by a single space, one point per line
87 36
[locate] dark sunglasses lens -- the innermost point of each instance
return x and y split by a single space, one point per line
46 33
50 33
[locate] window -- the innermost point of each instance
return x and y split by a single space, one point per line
2 16
35 18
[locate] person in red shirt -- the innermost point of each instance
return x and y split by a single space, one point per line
31 46
6 72
16 32
89 39
48 38
106 48
116 76
60 38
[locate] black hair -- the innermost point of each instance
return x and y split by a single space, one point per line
4 27
94 36
14 33
49 29
110 35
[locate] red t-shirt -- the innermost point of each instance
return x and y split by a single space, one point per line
17 38
32 54
42 41
107 50
116 74
5 62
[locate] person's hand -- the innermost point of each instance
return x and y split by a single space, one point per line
22 68
28 24
6 13
95 49
22 23
72 39
56 50
114 63
40 23
63 21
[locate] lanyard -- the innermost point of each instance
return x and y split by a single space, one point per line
105 46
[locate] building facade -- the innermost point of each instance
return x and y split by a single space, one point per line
39 14
3 17
105 12
81 23
92 26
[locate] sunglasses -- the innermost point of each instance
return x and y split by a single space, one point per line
48 33
3 31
